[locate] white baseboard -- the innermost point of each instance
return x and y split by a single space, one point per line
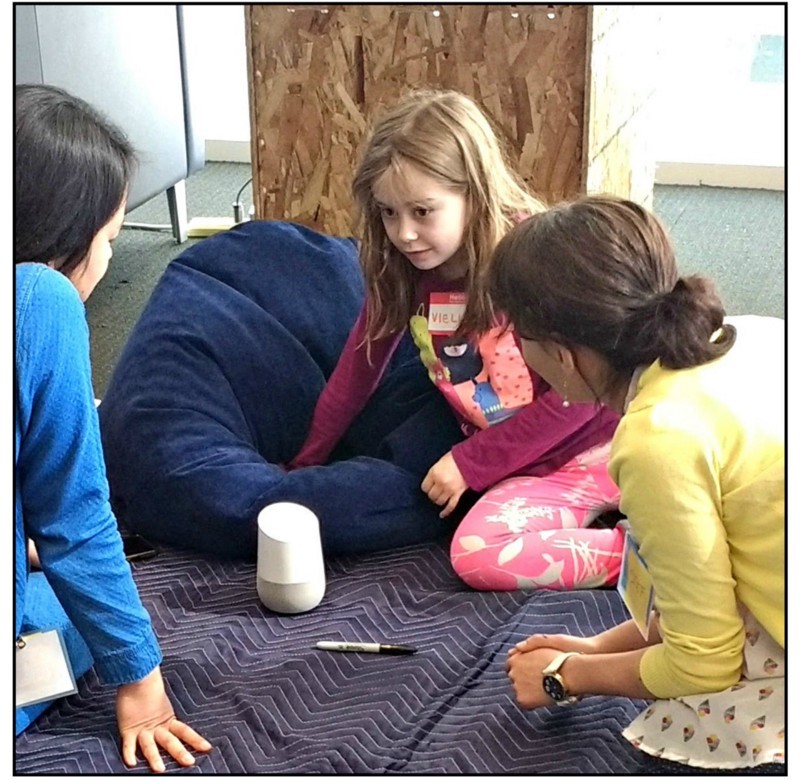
757 177
228 151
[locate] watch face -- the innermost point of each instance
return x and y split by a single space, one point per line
553 687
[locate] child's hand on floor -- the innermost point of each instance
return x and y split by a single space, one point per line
147 723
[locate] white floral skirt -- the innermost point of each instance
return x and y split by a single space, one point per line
740 727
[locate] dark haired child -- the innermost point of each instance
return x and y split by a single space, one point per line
71 174
699 457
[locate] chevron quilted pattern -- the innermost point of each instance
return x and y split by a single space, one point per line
252 682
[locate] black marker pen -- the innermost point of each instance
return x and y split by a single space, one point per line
366 647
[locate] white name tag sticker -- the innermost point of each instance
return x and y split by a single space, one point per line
43 670
445 312
635 585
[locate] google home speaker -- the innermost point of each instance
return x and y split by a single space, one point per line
290 574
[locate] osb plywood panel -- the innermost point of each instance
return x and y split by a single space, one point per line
623 73
320 74
625 166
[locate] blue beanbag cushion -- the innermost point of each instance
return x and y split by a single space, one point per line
216 387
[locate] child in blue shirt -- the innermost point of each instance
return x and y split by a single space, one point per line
71 177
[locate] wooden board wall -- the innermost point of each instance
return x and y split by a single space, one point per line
622 78
319 74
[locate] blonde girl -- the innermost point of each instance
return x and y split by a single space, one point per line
435 196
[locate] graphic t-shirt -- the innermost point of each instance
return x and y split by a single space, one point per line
485 381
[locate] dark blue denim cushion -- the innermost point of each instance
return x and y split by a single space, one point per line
216 387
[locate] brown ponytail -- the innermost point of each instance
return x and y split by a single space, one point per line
675 327
600 272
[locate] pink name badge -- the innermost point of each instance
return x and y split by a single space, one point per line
445 312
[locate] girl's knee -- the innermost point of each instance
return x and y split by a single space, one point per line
481 577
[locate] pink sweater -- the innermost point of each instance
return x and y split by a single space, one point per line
514 422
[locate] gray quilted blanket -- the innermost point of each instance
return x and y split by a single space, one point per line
253 683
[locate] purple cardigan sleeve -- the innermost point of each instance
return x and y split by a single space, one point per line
346 393
543 433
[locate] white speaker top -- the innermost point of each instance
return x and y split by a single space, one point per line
289 546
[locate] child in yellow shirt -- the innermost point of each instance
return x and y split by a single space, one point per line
699 457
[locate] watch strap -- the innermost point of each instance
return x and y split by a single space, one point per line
557 662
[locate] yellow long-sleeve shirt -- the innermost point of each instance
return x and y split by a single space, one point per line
699 459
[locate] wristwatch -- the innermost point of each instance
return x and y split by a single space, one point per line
553 682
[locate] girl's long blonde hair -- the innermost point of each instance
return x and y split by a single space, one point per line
449 138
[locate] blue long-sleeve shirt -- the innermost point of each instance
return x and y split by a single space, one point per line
60 491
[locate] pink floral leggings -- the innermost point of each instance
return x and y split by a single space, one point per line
534 532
